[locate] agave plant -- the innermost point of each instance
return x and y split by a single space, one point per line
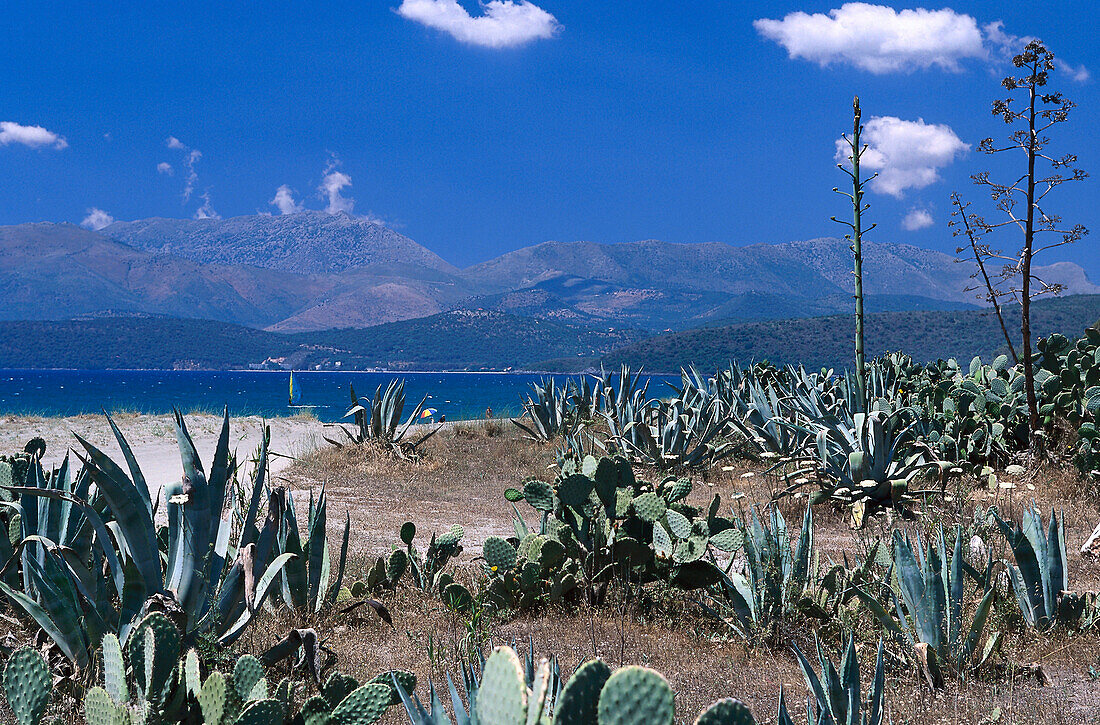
548 412
836 695
873 462
775 579
214 589
305 580
1040 577
928 607
378 421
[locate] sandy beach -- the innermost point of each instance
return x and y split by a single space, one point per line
153 439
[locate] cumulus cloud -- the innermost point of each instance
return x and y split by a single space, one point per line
917 219
97 219
1078 73
174 143
906 154
332 184
877 38
33 136
503 24
284 200
206 211
165 168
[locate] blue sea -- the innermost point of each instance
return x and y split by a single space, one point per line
457 396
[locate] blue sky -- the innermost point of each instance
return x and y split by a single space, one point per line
477 129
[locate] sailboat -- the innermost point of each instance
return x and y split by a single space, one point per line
295 396
295 393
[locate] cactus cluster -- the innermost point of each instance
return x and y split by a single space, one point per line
597 522
510 694
151 679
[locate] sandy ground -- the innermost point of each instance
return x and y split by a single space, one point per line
153 439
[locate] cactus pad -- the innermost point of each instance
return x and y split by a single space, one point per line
408 532
248 673
451 538
574 490
677 490
499 554
337 687
502 698
27 685
100 710
262 712
363 706
729 540
678 524
396 565
578 700
212 697
114 670
539 494
649 507
406 679
315 711
457 598
152 676
636 696
726 712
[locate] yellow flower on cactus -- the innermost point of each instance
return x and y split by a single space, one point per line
493 568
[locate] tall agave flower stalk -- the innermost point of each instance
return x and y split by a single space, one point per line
856 237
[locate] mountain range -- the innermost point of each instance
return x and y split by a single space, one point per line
316 271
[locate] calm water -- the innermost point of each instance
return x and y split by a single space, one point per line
72 392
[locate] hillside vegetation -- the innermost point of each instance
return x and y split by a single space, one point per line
460 340
827 341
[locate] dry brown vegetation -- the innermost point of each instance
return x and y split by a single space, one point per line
462 479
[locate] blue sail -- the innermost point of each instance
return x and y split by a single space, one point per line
295 391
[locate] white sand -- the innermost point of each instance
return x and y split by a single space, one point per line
153 439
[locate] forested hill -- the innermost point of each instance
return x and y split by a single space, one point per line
827 341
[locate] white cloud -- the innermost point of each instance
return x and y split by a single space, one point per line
206 211
877 38
906 154
174 143
33 136
192 175
97 219
332 184
917 219
165 168
284 200
1080 73
504 24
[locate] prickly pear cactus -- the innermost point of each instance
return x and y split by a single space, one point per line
636 696
114 670
580 696
499 554
262 712
27 685
100 709
406 679
248 679
502 697
726 712
363 705
212 697
649 507
153 650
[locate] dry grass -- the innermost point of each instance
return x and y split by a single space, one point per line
462 479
